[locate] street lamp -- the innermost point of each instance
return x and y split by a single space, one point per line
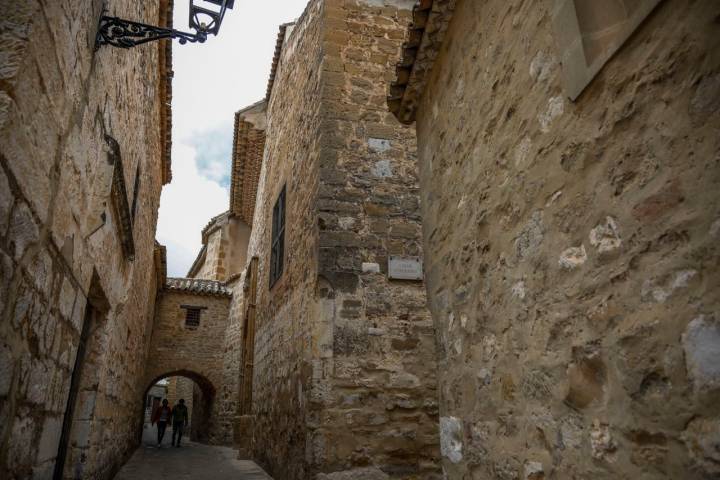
205 18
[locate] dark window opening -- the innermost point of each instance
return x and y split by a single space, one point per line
135 193
277 251
192 316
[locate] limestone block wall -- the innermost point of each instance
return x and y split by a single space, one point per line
344 377
225 249
228 395
282 372
67 115
374 387
572 247
181 387
193 353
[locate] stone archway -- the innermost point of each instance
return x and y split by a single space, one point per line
188 340
202 423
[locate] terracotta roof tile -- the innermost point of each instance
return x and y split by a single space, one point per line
166 76
198 286
424 39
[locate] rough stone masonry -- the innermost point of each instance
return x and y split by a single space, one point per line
83 155
343 380
571 246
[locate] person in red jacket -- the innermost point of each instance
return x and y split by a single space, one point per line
161 415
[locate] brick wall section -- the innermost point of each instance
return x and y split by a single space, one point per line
572 248
196 354
58 101
344 382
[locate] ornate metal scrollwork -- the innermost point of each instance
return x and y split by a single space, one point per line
126 34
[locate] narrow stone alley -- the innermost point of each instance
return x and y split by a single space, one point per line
398 239
191 460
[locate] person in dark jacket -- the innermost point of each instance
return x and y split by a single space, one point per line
161 416
180 419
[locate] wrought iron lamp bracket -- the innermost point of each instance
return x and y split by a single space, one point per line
127 34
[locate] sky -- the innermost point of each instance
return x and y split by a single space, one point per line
211 82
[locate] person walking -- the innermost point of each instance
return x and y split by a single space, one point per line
161 416
180 419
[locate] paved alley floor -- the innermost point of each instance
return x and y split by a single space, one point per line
191 461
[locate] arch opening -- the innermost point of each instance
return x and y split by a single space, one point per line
195 389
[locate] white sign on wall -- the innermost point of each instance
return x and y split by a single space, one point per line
405 268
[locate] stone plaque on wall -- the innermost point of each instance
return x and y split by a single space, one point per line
405 268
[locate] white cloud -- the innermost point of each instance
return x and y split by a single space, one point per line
186 205
230 71
211 82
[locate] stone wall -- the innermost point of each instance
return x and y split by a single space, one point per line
572 247
344 376
232 349
181 387
194 353
282 376
224 251
374 397
75 125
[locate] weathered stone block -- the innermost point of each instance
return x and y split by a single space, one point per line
49 439
701 341
23 231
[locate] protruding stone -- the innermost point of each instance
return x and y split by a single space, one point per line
601 442
379 145
451 435
534 471
702 439
573 257
701 341
555 108
605 237
531 236
660 289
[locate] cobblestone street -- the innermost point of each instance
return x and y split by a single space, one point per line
191 461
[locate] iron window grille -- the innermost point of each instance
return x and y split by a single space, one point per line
277 251
192 316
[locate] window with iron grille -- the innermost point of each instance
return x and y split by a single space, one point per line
277 251
192 316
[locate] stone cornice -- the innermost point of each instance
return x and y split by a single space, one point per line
424 39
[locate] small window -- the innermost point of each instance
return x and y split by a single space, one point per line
192 316
135 193
277 251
